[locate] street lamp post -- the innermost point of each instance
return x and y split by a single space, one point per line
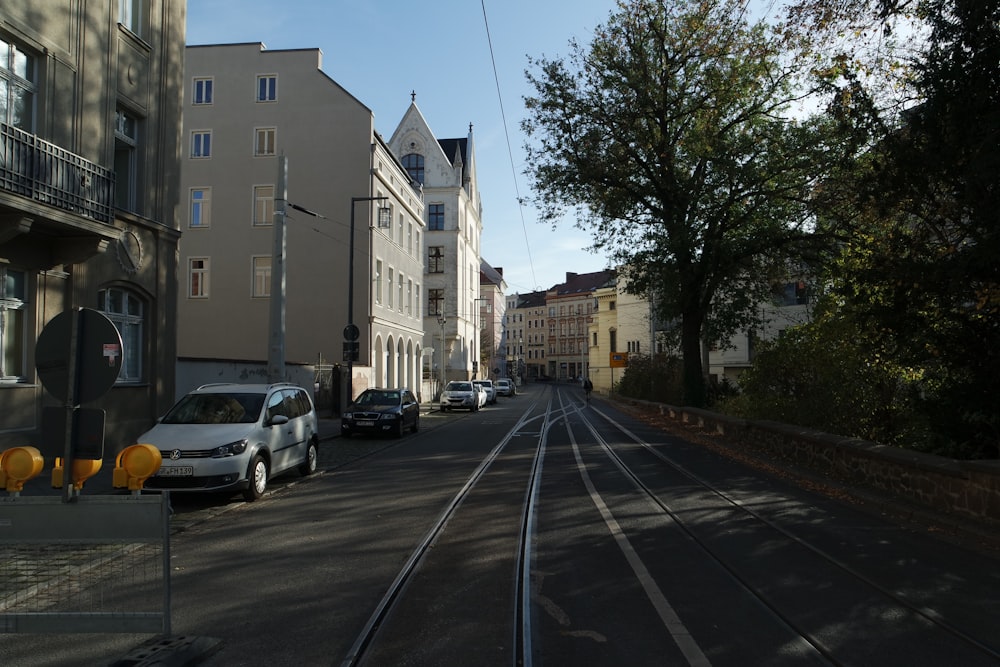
480 322
442 320
351 331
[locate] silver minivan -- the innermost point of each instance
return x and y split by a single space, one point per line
234 437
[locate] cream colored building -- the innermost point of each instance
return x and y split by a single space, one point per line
453 213
492 308
245 107
90 122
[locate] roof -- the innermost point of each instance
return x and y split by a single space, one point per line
584 283
456 151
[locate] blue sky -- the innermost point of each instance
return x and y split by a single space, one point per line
380 50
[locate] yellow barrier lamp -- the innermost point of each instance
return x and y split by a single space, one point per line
134 465
18 465
83 469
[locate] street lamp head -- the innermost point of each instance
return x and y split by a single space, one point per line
384 217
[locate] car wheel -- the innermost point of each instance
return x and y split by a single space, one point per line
310 462
416 425
398 430
257 476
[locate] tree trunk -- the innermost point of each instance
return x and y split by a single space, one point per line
694 378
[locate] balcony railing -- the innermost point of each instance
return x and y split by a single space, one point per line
46 173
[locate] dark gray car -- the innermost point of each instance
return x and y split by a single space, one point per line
382 411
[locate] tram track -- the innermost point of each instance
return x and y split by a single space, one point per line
527 436
475 578
917 611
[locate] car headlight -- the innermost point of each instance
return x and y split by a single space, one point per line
230 449
388 416
348 415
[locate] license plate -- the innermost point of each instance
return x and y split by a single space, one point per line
366 423
175 471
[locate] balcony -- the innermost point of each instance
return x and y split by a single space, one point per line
45 173
56 208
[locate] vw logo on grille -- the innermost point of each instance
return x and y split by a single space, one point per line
175 454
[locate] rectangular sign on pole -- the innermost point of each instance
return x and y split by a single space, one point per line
618 360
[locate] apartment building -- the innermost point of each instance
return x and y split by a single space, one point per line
526 336
570 310
620 327
492 307
249 110
446 168
90 122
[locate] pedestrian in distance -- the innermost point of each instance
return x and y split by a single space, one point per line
588 387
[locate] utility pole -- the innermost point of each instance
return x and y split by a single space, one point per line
276 333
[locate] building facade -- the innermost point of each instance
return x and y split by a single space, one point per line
526 336
492 308
90 124
249 110
570 310
453 213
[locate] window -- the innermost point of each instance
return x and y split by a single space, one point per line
613 340
126 160
414 166
594 341
131 14
435 259
201 143
125 309
435 301
390 286
416 300
264 141
399 231
399 301
263 205
409 297
261 276
17 87
198 278
435 216
378 281
201 207
202 93
13 294
267 87
409 238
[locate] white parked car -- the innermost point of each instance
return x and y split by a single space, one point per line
460 395
234 437
505 387
491 391
481 393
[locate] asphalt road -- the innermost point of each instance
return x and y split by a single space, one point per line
651 569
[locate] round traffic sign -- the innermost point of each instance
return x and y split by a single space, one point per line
96 358
352 332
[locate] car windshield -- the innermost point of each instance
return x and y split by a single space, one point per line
459 386
378 398
216 409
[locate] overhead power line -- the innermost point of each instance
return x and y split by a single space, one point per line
510 152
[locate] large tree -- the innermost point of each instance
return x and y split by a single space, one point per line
921 266
672 138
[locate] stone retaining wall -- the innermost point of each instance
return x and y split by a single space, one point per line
964 489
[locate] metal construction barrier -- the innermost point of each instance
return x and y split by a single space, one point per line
97 564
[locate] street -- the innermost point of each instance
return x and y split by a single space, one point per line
542 530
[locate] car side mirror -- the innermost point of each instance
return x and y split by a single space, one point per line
278 420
